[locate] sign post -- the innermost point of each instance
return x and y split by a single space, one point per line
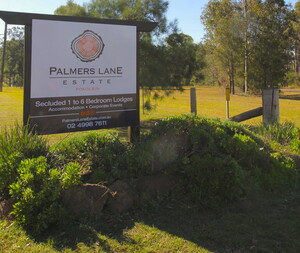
80 73
83 76
227 100
3 57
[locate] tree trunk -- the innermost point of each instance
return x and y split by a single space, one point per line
296 60
233 76
246 47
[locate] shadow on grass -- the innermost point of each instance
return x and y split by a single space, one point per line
258 223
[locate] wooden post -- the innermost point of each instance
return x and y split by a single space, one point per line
270 105
193 100
133 133
134 129
27 74
227 100
3 57
248 115
246 47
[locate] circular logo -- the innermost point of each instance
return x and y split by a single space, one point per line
88 46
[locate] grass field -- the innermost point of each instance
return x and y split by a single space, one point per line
210 103
258 223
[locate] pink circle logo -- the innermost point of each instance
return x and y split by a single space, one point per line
88 46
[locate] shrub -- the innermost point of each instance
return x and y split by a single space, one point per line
100 152
16 144
295 142
70 175
213 178
292 79
36 192
295 145
216 159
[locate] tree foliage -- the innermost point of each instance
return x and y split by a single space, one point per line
14 56
256 29
181 59
71 9
272 44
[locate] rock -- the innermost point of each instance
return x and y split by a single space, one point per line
6 207
122 197
85 200
156 185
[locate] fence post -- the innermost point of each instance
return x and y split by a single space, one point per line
270 105
227 91
193 100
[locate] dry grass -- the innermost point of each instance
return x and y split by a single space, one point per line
210 103
11 106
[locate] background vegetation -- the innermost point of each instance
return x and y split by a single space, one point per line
250 44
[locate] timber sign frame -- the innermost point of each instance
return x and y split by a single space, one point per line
80 73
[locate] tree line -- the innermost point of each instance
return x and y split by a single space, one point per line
249 44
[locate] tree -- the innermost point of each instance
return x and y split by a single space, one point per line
251 39
141 10
296 25
224 35
246 47
272 44
200 64
13 68
181 59
71 9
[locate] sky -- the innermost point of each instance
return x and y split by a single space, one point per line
187 12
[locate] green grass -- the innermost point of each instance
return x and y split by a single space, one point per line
258 223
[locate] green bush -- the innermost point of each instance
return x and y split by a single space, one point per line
101 153
295 145
28 177
213 178
217 159
36 193
292 79
17 144
70 175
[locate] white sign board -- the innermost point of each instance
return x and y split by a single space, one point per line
83 76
